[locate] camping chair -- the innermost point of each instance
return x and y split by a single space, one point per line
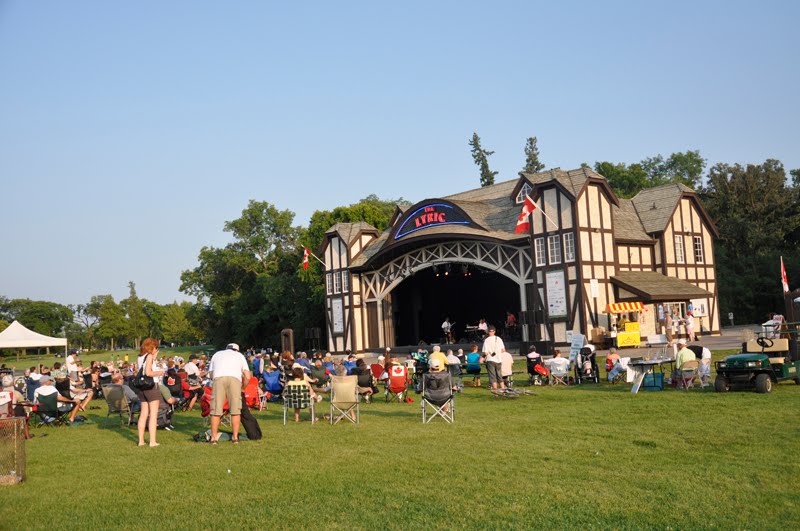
687 372
377 370
559 374
49 413
253 396
397 384
205 409
6 405
344 399
273 385
117 404
297 397
437 392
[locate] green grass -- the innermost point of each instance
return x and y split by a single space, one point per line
580 457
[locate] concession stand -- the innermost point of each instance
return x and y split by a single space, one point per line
628 332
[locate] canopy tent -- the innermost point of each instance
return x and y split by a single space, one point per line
18 337
622 307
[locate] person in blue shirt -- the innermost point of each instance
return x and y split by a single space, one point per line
474 366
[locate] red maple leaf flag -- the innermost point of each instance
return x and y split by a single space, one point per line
523 225
784 280
306 252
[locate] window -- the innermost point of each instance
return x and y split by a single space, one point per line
569 247
525 190
554 245
698 250
329 283
540 259
679 256
345 281
337 282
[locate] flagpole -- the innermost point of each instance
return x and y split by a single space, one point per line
533 326
315 256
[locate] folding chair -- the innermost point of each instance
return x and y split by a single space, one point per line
49 413
6 405
437 392
205 409
344 399
687 373
297 397
273 385
252 395
559 374
117 404
397 384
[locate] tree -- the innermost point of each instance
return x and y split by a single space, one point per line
626 181
137 319
87 318
263 231
3 324
175 324
795 177
532 164
685 168
481 158
48 318
112 322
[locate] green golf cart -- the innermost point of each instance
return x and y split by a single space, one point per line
762 363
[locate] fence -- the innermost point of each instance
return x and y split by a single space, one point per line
12 451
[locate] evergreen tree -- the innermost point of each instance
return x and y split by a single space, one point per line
532 164
481 158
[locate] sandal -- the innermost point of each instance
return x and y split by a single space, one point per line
235 441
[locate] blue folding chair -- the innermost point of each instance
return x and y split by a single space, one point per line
273 385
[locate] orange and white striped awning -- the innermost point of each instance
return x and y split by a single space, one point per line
621 307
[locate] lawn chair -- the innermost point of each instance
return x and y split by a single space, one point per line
345 399
6 405
687 374
273 385
377 371
253 396
49 413
297 397
397 385
437 393
117 404
559 372
205 409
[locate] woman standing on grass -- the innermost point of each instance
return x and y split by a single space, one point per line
148 417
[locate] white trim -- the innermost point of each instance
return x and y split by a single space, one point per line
554 249
569 250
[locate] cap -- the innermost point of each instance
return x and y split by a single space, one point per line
232 346
44 379
436 365
492 328
381 358
681 341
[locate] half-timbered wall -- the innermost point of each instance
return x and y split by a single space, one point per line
597 254
688 254
636 257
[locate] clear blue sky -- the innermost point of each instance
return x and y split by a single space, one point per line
131 131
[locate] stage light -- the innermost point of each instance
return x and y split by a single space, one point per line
447 269
436 270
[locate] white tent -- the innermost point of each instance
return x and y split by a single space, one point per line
18 337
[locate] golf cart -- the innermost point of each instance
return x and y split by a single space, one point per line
763 361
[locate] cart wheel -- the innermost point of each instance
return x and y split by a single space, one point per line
721 384
763 383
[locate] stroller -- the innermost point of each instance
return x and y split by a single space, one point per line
586 369
536 369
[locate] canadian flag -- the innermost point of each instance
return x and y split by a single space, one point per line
784 280
523 225
306 252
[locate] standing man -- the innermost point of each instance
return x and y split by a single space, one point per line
492 347
229 373
73 369
446 327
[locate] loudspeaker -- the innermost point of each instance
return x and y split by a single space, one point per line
287 340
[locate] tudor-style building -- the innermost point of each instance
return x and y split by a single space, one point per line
459 257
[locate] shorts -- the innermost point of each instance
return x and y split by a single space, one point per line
494 371
226 388
475 371
148 395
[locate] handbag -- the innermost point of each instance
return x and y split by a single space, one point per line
142 382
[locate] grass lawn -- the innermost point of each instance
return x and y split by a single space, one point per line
586 456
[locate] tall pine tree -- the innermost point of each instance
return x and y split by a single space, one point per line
481 158
532 164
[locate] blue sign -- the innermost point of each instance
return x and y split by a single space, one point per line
431 215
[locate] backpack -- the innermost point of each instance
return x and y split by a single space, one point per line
250 424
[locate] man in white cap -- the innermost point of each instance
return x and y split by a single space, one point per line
229 373
492 347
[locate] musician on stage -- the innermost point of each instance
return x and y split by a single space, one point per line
483 326
511 324
447 328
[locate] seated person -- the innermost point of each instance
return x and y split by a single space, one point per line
474 366
438 355
173 383
558 365
436 365
684 354
15 408
165 408
299 379
130 394
365 387
704 354
350 364
319 377
613 365
64 404
454 367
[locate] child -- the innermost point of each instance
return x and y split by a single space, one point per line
299 379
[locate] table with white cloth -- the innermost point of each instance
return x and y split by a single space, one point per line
638 369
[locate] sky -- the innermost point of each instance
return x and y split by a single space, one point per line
131 131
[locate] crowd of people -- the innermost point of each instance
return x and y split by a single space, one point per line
182 384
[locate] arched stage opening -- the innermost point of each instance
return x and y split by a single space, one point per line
463 292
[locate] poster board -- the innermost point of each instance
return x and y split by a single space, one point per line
556 294
699 307
337 317
576 345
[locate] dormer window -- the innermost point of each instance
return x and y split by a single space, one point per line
525 190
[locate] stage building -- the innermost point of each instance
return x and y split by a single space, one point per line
459 257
